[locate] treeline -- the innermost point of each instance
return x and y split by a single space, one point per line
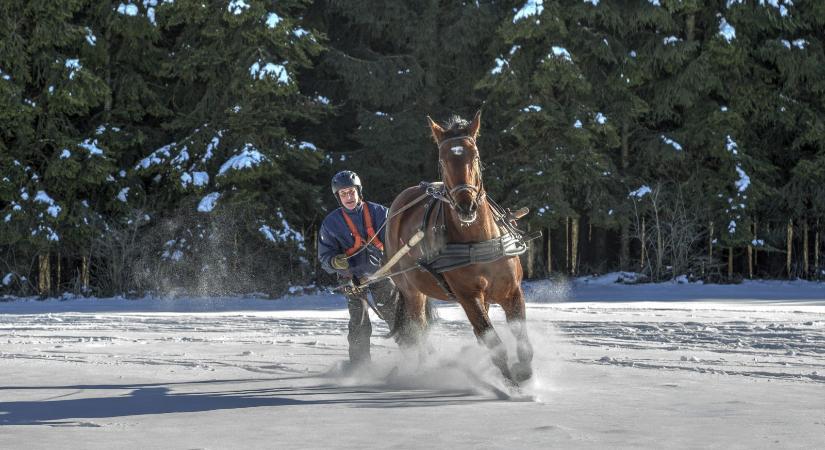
180 146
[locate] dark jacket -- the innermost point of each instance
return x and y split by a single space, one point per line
335 238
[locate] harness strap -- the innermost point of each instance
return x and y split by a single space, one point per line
439 278
359 241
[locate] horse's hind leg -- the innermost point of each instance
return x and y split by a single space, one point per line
514 310
485 333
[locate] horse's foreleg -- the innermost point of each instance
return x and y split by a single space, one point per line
514 310
413 321
486 334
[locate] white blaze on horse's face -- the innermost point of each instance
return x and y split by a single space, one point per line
462 177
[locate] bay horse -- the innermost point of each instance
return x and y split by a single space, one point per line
463 215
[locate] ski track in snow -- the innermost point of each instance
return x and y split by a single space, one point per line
210 361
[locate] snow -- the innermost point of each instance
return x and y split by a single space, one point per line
616 366
200 178
123 195
8 279
74 66
531 108
43 197
593 2
530 8
127 9
561 52
90 37
577 124
731 145
601 119
213 145
672 143
269 70
670 40
641 192
268 233
66 154
726 30
156 157
744 180
500 63
272 20
249 157
236 7
207 204
91 146
304 145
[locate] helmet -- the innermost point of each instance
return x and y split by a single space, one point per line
345 179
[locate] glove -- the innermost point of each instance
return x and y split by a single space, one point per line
351 289
339 262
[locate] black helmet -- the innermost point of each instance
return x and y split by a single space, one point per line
345 179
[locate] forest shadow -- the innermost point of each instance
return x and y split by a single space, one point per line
159 398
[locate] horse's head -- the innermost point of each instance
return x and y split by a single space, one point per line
460 165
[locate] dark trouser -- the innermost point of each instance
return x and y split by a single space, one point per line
385 297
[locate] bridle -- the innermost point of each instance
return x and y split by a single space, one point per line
452 191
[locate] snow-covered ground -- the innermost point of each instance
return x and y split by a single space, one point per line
654 366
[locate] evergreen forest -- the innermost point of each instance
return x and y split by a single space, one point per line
186 147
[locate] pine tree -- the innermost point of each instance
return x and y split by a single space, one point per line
388 67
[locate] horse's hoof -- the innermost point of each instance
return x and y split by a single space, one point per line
521 372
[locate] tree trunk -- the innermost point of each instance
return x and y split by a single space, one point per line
642 250
624 247
755 250
710 243
44 280
549 252
805 248
750 261
574 245
690 24
730 263
84 274
530 257
789 248
57 280
816 250
567 245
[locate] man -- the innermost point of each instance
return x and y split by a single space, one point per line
351 244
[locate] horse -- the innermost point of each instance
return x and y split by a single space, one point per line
462 216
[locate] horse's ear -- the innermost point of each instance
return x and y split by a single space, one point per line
475 125
438 132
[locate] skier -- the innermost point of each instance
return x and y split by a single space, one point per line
350 244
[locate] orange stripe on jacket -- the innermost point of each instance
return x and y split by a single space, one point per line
359 241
